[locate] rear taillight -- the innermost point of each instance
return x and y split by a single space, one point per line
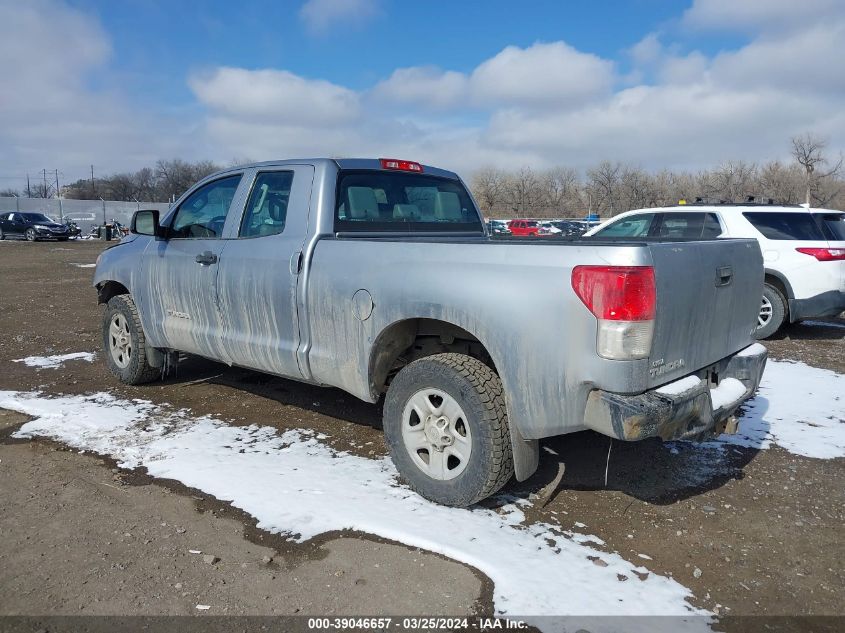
824 254
623 299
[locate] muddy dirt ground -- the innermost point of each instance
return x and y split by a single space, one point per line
766 533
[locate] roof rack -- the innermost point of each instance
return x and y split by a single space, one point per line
751 201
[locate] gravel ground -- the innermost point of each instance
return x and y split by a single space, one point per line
764 530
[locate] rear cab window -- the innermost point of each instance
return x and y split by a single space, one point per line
785 225
391 202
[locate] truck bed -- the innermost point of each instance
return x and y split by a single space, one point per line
515 296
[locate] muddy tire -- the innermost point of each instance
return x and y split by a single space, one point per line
772 312
446 426
124 343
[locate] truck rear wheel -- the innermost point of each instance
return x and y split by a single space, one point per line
772 312
124 343
446 425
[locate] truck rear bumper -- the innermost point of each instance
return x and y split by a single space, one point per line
694 407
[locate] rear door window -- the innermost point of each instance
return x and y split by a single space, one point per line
785 226
689 225
833 225
632 226
386 201
267 208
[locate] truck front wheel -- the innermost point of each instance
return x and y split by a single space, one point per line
446 426
124 342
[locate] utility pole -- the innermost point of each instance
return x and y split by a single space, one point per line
44 173
59 196
93 190
28 192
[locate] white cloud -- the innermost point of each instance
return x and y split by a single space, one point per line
759 15
424 86
807 60
647 51
49 116
544 75
544 104
320 16
551 75
275 96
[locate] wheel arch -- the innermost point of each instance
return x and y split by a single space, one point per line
779 281
108 289
408 339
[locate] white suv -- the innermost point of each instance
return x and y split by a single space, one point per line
803 250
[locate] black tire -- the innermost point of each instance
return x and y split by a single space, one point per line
137 370
31 236
778 312
478 391
2 234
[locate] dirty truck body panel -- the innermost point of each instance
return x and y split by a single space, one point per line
304 300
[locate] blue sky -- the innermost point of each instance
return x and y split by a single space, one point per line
658 84
167 40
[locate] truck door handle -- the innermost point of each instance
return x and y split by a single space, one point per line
296 263
724 275
206 258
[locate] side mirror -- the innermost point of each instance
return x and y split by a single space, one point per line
145 222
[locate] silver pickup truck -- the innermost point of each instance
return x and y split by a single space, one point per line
378 277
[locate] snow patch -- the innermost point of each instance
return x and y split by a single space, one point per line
679 386
728 392
54 362
752 350
294 484
799 408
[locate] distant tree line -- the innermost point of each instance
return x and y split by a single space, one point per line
610 188
606 189
168 180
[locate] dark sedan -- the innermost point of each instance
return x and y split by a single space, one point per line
31 226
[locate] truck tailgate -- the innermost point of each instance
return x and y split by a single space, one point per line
708 298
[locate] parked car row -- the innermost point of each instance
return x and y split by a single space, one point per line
533 228
33 227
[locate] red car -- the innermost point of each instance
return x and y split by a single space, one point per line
524 227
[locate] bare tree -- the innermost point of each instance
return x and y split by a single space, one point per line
637 189
523 192
734 181
808 151
489 186
9 193
559 187
41 190
781 183
603 185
